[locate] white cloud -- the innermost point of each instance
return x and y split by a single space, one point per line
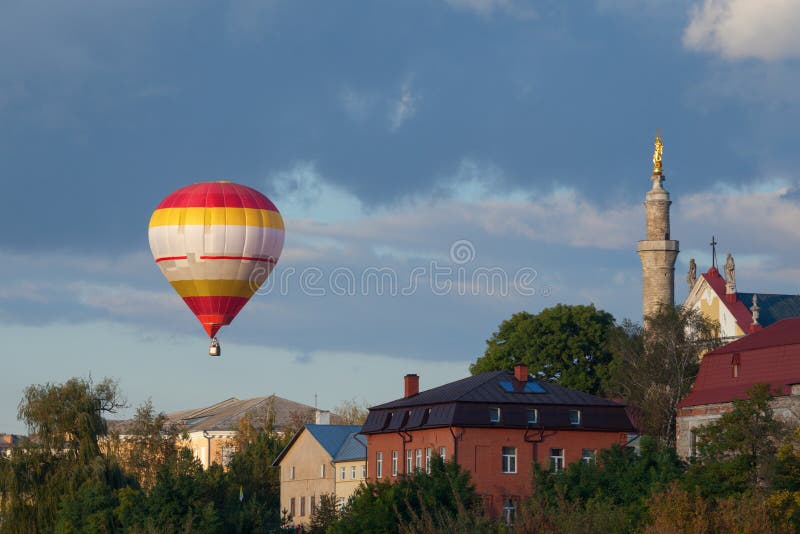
487 8
738 29
404 107
300 192
470 203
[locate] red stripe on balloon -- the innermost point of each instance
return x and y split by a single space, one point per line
217 195
246 258
215 312
166 258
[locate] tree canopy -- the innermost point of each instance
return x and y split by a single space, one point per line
567 345
655 367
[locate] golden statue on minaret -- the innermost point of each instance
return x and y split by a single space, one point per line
657 151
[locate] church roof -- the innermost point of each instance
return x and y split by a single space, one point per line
771 356
739 310
772 307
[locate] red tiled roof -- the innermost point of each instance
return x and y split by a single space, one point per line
739 309
771 356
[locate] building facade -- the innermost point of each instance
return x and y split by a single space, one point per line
770 355
320 460
210 431
495 425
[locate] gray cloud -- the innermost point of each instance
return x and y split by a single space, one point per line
740 29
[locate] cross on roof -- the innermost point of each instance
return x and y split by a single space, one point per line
713 251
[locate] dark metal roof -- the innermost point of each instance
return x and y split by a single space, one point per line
772 307
466 402
486 387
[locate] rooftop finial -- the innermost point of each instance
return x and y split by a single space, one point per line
755 309
713 251
658 150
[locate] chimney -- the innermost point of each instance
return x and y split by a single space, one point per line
322 417
521 372
412 385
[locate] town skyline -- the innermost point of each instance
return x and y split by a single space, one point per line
524 129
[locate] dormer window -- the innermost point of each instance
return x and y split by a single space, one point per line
533 416
575 417
494 415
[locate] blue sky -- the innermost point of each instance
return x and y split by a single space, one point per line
391 135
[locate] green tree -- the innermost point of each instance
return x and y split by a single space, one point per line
738 451
150 443
567 345
384 507
620 478
654 368
60 480
253 498
324 515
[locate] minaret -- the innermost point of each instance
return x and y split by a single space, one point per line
658 252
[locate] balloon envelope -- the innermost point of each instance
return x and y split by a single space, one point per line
216 243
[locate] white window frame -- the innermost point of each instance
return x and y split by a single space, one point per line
578 414
409 461
509 511
494 414
379 464
364 471
443 453
395 455
509 465
428 455
557 461
352 472
418 464
535 419
588 455
342 473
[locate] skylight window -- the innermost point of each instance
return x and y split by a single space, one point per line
530 387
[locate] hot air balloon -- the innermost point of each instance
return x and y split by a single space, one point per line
216 243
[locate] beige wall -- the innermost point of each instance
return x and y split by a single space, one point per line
346 487
306 456
208 447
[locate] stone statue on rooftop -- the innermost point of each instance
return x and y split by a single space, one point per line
730 271
691 278
755 309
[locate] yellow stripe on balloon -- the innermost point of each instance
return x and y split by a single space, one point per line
216 216
214 288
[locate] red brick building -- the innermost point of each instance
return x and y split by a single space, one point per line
770 356
495 425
